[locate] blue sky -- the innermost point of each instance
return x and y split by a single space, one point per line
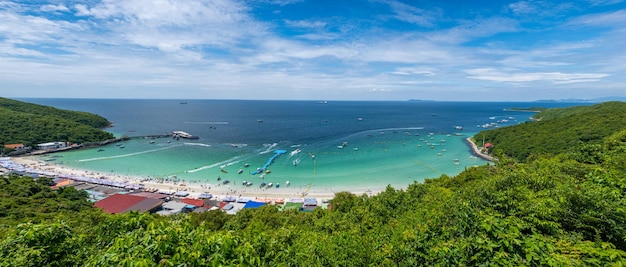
319 50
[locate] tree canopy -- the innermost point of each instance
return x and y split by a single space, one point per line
31 124
557 130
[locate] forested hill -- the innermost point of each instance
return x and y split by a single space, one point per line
30 124
557 130
85 118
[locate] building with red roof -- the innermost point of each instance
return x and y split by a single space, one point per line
195 202
120 203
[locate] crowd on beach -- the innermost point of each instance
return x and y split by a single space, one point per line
33 167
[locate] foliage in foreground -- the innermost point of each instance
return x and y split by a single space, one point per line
566 210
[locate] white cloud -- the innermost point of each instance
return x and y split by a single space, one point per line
305 23
615 19
412 14
171 25
604 2
54 8
472 29
414 71
495 75
522 7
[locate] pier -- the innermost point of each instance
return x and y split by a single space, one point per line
269 162
477 151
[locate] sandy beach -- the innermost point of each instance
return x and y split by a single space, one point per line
218 190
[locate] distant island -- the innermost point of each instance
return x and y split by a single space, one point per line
580 100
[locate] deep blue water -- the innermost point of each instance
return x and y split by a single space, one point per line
234 121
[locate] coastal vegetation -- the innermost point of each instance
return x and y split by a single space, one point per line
565 208
31 124
554 131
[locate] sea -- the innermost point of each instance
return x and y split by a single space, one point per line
329 146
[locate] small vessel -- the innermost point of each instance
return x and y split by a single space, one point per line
224 171
295 152
225 182
259 120
277 185
262 184
458 127
100 150
246 165
219 178
269 185
181 134
287 183
267 171
239 171
296 162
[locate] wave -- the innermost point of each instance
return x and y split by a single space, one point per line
128 155
222 164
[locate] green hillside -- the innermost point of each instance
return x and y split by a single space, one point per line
74 116
555 209
31 124
557 130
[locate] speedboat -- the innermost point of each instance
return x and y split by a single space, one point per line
295 152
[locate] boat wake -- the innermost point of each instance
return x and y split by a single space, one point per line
268 148
196 144
128 155
221 164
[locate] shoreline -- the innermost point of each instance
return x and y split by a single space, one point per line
477 151
219 191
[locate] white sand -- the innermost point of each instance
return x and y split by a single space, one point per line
218 190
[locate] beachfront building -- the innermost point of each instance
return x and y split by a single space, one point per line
120 203
16 147
51 145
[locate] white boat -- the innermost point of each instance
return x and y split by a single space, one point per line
295 152
458 127
296 162
181 134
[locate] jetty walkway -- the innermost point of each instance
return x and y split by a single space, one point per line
269 162
477 151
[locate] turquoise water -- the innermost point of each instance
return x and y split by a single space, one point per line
369 161
386 143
